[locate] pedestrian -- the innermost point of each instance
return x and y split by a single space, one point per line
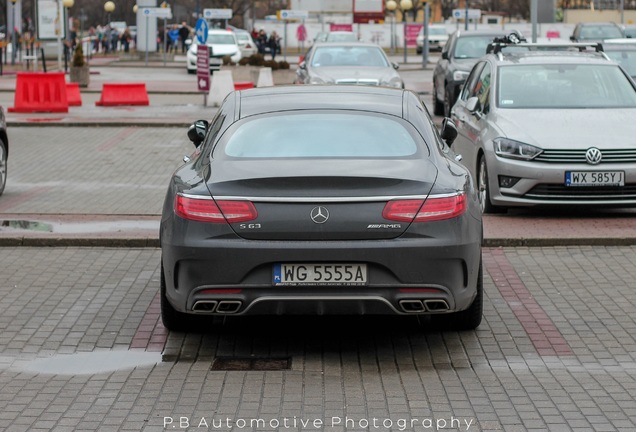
261 41
274 44
114 39
125 39
173 38
184 34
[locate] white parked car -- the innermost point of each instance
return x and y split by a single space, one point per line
437 38
246 42
221 43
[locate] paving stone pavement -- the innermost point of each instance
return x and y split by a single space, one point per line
71 315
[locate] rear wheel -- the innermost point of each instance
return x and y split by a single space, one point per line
470 318
3 165
484 189
172 319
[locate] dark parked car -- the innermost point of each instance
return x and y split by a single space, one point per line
4 150
321 200
459 54
596 32
623 52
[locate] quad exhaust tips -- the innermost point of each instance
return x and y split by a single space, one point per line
220 307
419 306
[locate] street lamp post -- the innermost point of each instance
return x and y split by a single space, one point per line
67 5
109 6
13 36
405 5
391 6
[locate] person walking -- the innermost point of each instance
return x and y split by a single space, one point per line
274 44
184 34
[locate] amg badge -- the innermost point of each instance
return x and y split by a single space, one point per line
384 226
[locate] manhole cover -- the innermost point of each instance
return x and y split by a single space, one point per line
250 363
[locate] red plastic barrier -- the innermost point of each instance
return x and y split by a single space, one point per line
243 85
40 92
73 94
123 94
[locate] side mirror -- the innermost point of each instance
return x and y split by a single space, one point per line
395 65
445 55
472 104
572 38
197 131
449 131
302 65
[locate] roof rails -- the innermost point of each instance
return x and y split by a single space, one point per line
497 47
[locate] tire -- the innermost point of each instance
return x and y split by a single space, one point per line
438 107
3 165
191 72
483 190
172 319
470 318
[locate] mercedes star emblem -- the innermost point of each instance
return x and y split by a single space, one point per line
319 215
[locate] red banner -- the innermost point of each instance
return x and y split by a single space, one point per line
412 30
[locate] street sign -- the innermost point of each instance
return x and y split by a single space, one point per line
201 31
217 14
203 67
154 12
472 13
293 14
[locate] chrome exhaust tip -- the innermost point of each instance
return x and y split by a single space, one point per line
204 306
436 305
228 306
412 306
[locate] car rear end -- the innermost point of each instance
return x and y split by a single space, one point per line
304 219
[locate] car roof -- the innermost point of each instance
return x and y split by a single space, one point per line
320 97
598 24
550 57
346 44
468 33
219 31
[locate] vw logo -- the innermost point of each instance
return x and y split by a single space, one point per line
319 215
593 156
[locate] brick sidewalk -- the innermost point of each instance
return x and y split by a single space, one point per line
73 356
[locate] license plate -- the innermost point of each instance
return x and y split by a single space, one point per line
595 178
320 274
215 61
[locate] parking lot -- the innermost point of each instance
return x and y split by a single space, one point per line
82 347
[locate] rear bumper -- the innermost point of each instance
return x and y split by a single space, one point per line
405 276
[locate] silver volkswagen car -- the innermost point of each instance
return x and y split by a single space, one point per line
546 127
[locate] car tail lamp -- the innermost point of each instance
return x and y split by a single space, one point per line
434 208
205 209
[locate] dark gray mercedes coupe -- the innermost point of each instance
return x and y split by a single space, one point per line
321 200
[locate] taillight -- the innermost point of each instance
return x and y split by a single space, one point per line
207 210
402 210
432 209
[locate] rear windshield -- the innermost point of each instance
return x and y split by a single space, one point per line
564 86
472 46
325 135
221 39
